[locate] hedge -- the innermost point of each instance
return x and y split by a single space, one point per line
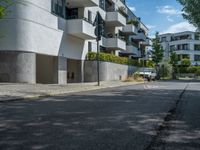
191 69
112 58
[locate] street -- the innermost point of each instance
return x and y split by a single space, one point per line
157 115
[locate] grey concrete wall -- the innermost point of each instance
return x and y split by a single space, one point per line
17 67
108 71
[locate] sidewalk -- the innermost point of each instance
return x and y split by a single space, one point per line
14 91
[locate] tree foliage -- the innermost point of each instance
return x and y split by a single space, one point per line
4 5
174 63
174 59
191 11
185 62
157 52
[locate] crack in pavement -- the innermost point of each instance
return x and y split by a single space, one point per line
171 114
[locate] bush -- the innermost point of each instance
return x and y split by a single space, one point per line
197 73
182 69
185 62
150 64
165 70
112 58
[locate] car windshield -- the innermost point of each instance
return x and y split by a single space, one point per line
147 69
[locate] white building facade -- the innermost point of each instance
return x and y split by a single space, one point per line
47 41
184 44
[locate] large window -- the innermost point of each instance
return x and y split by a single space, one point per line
197 47
58 7
196 57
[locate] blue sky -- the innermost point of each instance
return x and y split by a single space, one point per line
160 15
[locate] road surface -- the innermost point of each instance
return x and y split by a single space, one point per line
158 115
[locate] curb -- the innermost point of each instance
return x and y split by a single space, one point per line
59 94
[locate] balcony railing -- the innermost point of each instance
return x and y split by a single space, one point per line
76 17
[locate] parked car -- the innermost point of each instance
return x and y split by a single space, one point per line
148 73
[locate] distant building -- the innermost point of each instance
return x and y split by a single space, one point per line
185 44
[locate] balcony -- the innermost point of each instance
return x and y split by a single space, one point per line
80 3
147 42
114 43
80 28
133 50
187 52
129 29
115 19
139 37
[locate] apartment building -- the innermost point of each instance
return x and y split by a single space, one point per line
185 44
46 41
136 36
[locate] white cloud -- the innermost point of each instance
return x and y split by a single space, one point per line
132 8
167 9
180 27
170 19
151 26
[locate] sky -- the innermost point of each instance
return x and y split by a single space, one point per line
163 16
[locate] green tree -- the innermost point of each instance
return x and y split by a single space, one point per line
157 52
191 11
185 62
4 5
174 63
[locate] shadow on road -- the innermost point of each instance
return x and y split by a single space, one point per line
116 119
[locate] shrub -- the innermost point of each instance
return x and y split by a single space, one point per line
150 64
182 69
185 62
165 70
191 69
133 22
112 58
197 73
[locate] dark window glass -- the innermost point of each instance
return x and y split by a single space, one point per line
57 7
72 13
89 46
196 57
102 4
89 16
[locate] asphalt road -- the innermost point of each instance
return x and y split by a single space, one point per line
159 115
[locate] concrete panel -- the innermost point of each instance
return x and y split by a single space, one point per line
108 71
17 67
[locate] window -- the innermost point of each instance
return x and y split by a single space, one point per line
185 47
172 48
178 47
58 7
72 13
89 46
179 57
163 39
196 57
197 47
89 16
102 4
